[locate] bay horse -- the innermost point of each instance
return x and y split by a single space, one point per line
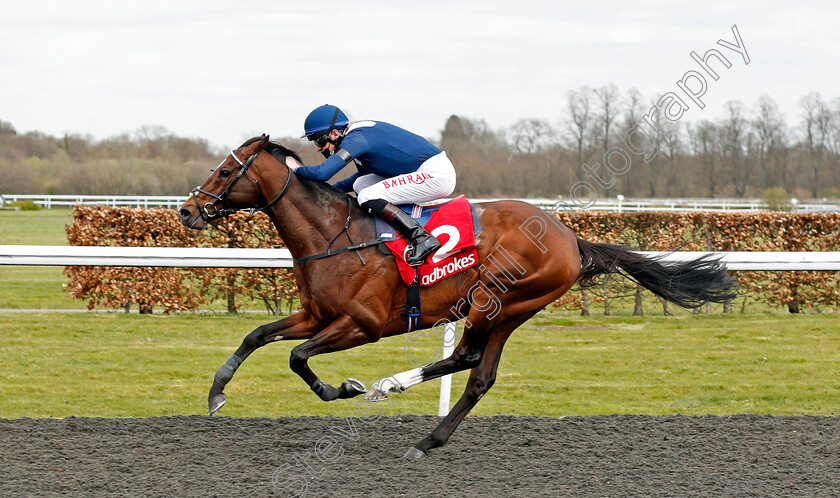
356 296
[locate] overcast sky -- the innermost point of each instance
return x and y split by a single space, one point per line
225 70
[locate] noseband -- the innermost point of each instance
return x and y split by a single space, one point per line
209 211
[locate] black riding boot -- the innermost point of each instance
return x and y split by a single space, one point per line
424 243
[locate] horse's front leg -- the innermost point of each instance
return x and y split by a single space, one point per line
341 334
300 325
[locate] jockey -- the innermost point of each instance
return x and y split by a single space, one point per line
393 166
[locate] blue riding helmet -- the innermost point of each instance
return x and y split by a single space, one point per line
319 120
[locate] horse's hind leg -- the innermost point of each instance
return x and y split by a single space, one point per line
467 354
301 325
481 380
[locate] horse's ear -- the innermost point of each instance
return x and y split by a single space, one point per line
261 143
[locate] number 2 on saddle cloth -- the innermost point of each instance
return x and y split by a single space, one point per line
455 224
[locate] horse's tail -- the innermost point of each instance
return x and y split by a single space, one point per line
686 283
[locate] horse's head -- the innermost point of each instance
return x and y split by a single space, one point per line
231 187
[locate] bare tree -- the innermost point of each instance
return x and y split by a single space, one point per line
672 153
531 136
813 107
632 111
704 138
769 126
735 138
751 148
481 155
661 161
580 121
828 122
607 113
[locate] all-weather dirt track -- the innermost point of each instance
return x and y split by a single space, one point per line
619 455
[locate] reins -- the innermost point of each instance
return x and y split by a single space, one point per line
352 247
207 215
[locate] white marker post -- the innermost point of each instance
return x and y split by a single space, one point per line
446 380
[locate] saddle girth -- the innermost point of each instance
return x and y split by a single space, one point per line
412 303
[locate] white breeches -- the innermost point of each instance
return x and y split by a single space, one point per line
434 179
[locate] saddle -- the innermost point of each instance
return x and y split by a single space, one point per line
454 222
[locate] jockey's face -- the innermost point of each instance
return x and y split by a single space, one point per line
329 146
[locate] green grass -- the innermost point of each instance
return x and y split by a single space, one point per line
41 228
112 364
35 287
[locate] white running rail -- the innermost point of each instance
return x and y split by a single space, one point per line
204 257
607 204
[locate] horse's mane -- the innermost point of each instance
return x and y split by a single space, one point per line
281 152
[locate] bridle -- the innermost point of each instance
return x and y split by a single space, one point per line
210 211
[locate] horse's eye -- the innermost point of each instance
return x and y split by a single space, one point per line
224 173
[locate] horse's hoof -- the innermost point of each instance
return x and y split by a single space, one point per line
325 391
414 453
376 394
351 388
216 402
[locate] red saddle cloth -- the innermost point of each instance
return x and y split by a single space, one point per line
452 224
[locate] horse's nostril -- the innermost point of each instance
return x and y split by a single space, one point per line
184 213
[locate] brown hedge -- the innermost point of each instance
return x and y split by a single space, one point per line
173 289
186 289
726 231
